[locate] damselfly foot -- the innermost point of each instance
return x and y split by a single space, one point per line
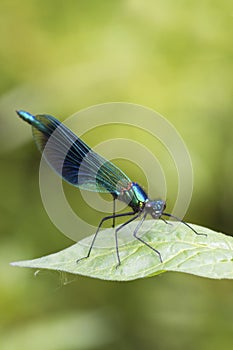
78 260
201 234
118 265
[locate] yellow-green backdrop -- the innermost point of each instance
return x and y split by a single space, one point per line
59 57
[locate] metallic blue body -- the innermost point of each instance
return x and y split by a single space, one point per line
77 164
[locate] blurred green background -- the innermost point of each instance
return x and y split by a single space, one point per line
59 57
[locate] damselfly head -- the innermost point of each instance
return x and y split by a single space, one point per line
155 208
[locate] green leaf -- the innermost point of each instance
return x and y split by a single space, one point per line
181 249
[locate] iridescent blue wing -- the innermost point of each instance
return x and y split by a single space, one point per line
72 159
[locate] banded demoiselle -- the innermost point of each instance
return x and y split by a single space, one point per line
80 166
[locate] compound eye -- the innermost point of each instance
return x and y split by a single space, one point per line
159 207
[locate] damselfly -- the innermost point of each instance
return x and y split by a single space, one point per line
80 166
